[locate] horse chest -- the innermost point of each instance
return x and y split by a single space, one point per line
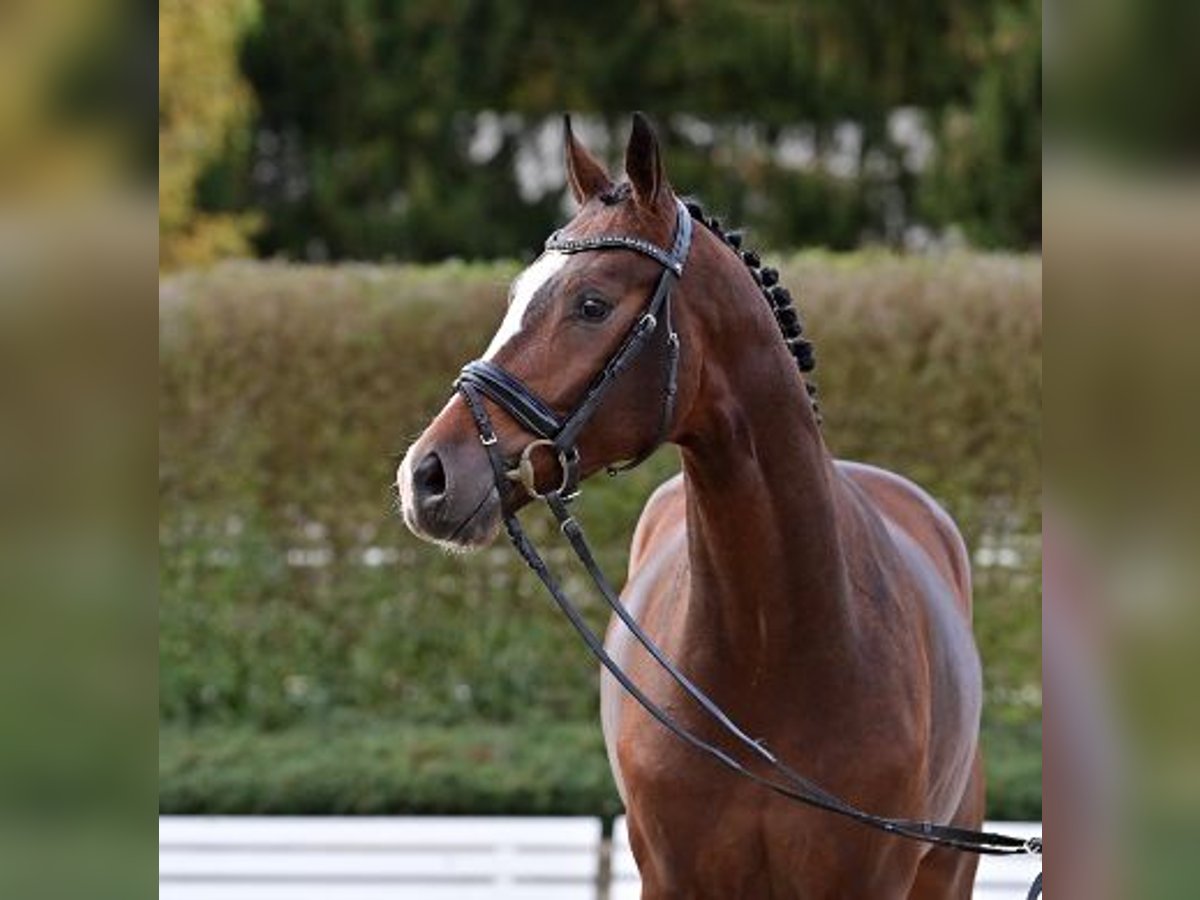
714 844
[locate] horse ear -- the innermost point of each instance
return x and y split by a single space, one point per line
585 175
643 162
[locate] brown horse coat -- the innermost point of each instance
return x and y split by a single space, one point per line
824 605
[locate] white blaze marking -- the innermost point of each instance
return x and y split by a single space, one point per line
526 287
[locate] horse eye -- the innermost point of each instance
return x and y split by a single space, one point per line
594 309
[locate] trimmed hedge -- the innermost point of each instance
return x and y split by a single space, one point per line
384 767
351 766
293 596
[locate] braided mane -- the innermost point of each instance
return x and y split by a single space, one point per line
778 298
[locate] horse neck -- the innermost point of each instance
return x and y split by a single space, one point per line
768 586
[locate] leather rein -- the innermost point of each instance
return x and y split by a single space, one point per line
483 378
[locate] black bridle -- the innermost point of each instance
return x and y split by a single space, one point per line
483 378
561 434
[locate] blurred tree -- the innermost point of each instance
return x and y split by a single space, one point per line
204 107
424 128
1125 81
987 176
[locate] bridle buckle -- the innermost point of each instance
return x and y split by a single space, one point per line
525 474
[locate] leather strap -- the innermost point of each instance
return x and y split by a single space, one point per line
513 396
792 784
615 242
671 389
630 348
673 259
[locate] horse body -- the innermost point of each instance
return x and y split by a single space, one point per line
824 605
908 748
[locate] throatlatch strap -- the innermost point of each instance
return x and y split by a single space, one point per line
667 409
633 345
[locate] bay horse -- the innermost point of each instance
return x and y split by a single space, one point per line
826 605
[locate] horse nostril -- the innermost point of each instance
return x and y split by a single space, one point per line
429 478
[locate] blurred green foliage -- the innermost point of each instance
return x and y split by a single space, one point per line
987 174
205 114
371 767
1124 84
352 765
293 597
398 130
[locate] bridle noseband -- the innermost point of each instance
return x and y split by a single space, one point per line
560 434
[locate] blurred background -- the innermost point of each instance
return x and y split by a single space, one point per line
416 131
80 300
346 189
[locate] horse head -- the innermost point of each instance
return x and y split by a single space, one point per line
586 370
568 314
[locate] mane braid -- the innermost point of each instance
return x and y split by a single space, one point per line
778 298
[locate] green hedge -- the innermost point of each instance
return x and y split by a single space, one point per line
353 766
287 394
382 767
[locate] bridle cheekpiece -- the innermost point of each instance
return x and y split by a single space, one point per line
560 434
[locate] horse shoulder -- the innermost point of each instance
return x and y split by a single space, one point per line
654 559
664 508
926 537
911 508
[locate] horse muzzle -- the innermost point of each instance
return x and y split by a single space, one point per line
448 495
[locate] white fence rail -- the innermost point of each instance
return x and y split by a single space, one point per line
366 858
371 858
